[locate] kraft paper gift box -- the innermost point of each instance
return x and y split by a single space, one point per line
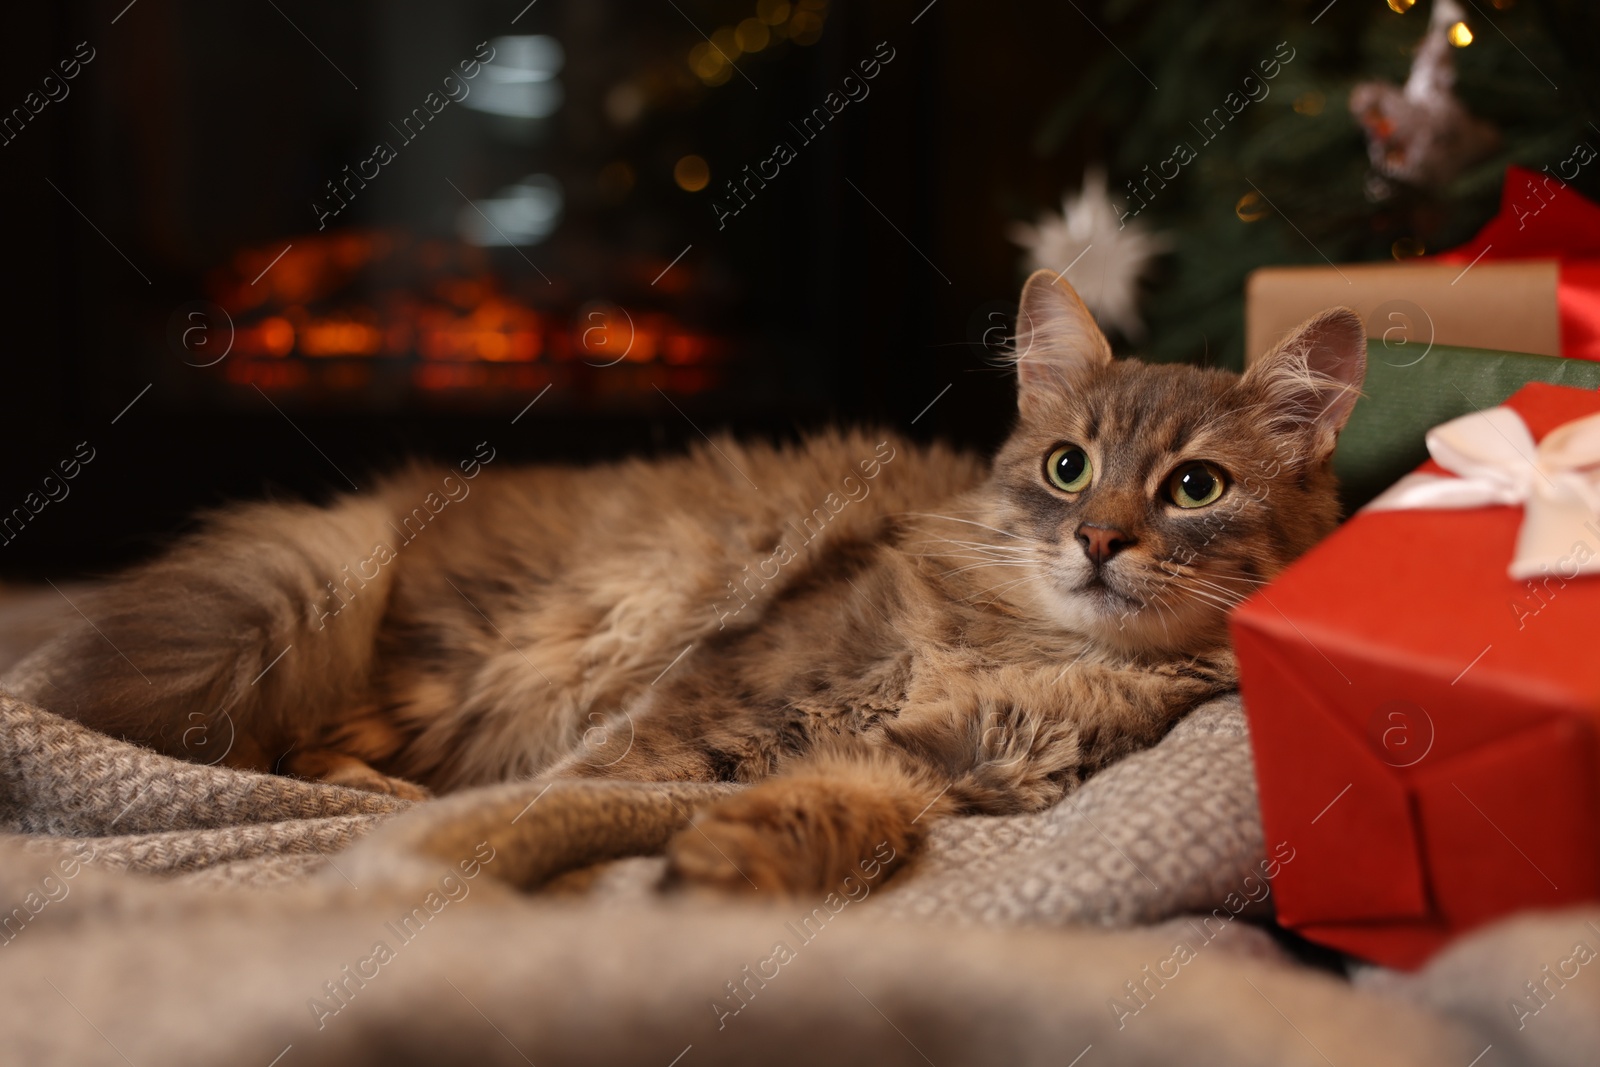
1426 728
1528 282
1506 306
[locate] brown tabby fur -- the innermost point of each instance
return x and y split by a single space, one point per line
875 634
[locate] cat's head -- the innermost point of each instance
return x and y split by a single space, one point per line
1153 497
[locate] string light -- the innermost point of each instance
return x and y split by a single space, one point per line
752 35
1460 35
1400 7
805 25
692 174
773 12
709 64
1309 103
1250 207
726 41
800 21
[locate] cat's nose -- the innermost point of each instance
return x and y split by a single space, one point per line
1100 543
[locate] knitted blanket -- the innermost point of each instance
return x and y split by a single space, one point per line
154 911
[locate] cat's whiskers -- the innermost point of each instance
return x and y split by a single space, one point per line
969 522
991 563
978 554
1163 592
1234 595
1026 557
1176 574
1205 418
1001 587
968 553
1159 602
1203 596
1017 559
1229 576
1199 593
983 546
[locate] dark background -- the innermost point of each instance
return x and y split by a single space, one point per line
190 132
200 129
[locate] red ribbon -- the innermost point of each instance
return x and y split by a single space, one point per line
1541 217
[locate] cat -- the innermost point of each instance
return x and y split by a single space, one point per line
869 633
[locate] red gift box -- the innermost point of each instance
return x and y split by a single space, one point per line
1424 727
1541 217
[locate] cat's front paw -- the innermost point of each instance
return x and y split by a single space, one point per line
781 836
1025 759
1201 678
805 834
726 851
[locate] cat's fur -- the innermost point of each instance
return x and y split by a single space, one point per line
874 634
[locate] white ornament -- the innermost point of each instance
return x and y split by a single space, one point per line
1101 256
1420 133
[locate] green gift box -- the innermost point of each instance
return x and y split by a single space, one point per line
1410 389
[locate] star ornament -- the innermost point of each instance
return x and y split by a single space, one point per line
1103 256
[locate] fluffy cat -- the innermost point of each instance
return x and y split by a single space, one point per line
871 633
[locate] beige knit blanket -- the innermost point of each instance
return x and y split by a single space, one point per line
159 912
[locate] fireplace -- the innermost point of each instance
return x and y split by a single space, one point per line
389 320
472 208
276 248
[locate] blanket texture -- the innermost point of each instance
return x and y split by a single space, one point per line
156 911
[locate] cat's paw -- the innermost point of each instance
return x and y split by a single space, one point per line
725 851
1201 678
781 836
805 834
1221 667
1026 760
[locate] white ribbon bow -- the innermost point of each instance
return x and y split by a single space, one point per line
1557 482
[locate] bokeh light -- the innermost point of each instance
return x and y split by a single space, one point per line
1407 248
752 35
692 174
1250 207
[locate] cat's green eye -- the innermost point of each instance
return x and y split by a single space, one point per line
1069 469
1194 485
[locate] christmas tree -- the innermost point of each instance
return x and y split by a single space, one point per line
1229 140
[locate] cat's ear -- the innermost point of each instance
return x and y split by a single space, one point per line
1308 384
1056 335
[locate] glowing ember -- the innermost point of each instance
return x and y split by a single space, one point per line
331 312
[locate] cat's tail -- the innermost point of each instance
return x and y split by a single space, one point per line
237 644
